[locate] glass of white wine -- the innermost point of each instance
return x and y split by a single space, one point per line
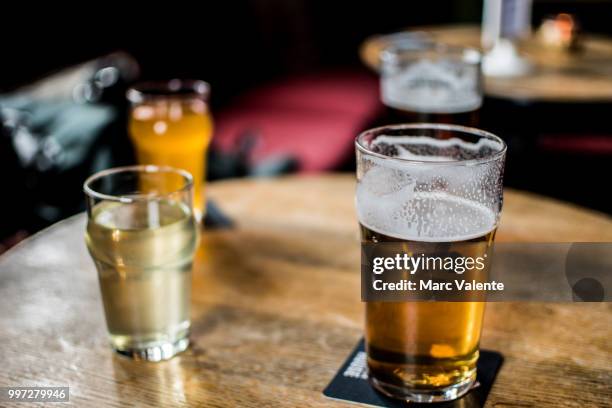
142 235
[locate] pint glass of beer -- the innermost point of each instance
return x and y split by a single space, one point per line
170 125
142 236
425 81
433 188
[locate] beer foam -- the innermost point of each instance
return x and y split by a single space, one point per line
422 199
432 87
425 148
423 216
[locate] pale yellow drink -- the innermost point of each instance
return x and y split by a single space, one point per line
143 252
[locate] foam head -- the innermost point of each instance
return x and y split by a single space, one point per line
431 78
440 184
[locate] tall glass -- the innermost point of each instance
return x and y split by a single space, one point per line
141 234
432 188
170 125
425 81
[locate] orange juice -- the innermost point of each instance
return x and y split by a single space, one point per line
174 131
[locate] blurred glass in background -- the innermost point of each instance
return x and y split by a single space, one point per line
170 124
425 81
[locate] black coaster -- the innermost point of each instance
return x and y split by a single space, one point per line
351 383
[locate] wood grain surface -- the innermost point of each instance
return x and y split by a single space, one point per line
276 309
584 76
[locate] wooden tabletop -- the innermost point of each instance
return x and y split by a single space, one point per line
276 310
584 76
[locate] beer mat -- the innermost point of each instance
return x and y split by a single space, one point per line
351 384
215 218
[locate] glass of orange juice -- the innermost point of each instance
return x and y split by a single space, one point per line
170 124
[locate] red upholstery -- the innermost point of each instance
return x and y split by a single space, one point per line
312 118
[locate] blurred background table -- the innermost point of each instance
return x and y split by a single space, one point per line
276 309
583 76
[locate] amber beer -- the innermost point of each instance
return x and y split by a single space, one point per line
427 82
419 187
429 344
170 125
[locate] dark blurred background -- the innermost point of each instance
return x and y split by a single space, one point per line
256 47
236 44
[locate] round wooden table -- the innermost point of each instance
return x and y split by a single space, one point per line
276 309
584 76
